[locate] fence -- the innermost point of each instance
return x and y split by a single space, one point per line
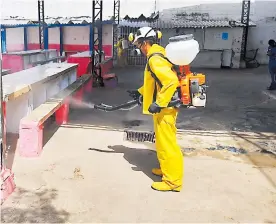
132 60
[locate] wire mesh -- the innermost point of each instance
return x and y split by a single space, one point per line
134 60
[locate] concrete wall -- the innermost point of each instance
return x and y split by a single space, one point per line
263 13
259 37
198 35
207 59
212 43
265 18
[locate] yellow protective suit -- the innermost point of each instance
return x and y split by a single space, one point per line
168 152
121 53
119 47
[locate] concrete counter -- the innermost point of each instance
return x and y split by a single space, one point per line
24 91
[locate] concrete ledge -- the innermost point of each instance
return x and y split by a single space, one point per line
31 126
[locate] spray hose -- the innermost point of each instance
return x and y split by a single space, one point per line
129 105
125 106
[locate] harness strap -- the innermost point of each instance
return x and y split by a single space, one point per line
151 72
157 81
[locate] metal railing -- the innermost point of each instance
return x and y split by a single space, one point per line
132 60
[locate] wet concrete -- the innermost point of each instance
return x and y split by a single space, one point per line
236 102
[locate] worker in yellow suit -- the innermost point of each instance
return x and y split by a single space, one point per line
121 53
155 101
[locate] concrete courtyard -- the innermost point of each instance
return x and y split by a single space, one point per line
88 173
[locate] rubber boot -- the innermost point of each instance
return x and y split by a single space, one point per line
157 172
163 186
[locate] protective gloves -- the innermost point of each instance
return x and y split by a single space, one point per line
136 96
154 108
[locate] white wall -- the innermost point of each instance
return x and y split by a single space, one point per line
15 39
71 35
259 39
167 33
76 35
107 34
54 35
265 18
79 35
33 35
214 41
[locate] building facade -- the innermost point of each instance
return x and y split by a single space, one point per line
262 14
219 40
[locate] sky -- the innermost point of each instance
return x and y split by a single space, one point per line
63 8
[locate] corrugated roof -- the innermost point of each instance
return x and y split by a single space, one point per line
239 24
75 20
52 21
154 16
64 21
14 21
200 24
184 24
134 23
127 23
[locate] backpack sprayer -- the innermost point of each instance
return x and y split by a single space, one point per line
180 52
191 92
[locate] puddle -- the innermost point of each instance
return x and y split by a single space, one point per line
132 123
228 148
259 159
255 158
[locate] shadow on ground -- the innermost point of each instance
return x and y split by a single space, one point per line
143 160
40 211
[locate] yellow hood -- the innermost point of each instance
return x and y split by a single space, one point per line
156 49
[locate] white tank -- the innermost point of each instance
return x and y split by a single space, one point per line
182 50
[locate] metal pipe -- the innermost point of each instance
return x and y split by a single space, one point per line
245 17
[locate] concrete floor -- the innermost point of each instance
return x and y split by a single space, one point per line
237 101
111 182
